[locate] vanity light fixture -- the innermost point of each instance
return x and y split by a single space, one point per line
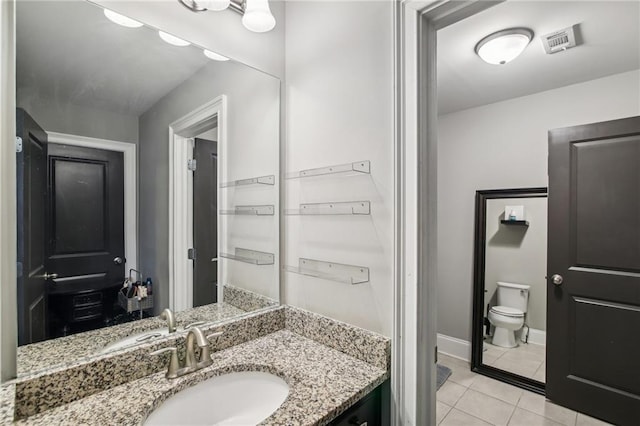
503 46
171 39
215 56
119 19
256 14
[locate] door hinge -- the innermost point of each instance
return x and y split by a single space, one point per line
191 164
191 254
436 354
18 144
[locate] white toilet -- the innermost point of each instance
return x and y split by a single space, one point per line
508 316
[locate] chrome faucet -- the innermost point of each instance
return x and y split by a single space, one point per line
191 363
170 318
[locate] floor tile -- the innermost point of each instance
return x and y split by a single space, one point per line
442 410
497 389
584 420
458 418
522 367
540 375
522 417
538 404
485 407
450 393
463 376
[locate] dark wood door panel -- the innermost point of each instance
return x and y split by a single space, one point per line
606 218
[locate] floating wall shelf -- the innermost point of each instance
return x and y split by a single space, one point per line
357 208
349 274
250 256
262 180
515 222
359 167
266 210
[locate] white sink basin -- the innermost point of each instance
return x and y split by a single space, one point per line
135 339
240 399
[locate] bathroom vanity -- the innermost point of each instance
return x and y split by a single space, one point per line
328 366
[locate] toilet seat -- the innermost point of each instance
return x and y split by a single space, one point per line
507 311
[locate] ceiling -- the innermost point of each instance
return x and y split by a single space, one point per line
68 52
610 31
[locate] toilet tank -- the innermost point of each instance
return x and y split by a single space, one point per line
513 295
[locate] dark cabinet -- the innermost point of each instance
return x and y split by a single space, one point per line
372 410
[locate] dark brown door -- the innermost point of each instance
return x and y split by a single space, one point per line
593 312
85 220
31 201
205 222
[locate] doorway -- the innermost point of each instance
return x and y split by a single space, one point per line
185 263
76 208
420 23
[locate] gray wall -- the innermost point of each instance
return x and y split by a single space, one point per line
78 120
518 254
504 145
253 115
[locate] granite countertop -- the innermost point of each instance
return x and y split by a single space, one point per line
38 357
323 383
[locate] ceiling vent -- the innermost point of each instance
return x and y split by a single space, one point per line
560 40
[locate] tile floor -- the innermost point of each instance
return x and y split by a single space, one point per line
469 399
527 359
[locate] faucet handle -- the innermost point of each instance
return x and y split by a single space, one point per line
174 363
214 335
193 324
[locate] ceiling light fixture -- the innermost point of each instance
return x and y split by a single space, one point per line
121 19
171 39
215 56
256 14
504 46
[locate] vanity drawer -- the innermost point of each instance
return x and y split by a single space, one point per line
366 412
87 299
87 313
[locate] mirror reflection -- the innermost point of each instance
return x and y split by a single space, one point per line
515 259
147 179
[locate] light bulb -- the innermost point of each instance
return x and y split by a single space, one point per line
125 21
257 16
215 56
215 5
171 39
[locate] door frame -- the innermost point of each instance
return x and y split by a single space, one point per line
414 337
181 133
130 152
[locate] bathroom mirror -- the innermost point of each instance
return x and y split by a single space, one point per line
148 178
509 319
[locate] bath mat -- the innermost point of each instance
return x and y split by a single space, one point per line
443 375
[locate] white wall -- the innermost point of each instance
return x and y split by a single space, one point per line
339 94
221 32
54 116
518 254
504 145
253 103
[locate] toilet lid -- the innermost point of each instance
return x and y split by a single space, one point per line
507 311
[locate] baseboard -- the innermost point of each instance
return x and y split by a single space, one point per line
454 347
537 337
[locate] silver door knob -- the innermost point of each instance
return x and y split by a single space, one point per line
118 260
47 276
557 279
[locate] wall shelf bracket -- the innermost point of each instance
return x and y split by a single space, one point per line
264 210
262 180
356 208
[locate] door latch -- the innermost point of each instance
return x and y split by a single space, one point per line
191 254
